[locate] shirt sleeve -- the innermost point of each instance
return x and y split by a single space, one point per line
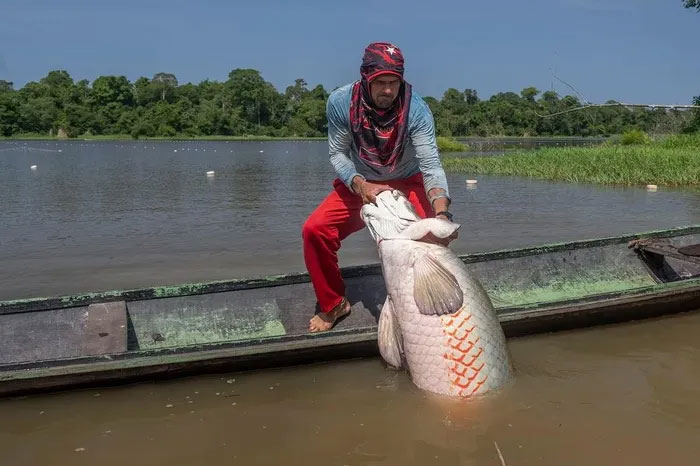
339 140
422 134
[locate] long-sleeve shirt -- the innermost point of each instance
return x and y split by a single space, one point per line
422 157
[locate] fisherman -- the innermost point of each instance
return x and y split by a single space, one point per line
370 123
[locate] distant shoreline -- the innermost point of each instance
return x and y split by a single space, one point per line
126 137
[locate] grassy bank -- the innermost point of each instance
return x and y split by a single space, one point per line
446 144
673 161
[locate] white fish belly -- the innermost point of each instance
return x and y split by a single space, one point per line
459 354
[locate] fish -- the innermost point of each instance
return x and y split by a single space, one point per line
437 322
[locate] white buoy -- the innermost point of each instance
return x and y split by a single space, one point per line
33 167
261 151
210 173
652 187
175 150
471 181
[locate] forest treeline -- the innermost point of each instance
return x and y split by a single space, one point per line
247 105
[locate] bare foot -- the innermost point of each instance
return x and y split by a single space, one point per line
324 321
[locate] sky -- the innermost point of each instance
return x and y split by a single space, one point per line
634 51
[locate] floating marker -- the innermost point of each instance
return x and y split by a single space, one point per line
471 181
210 173
175 150
651 187
33 167
261 151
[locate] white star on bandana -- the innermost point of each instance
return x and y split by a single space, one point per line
390 50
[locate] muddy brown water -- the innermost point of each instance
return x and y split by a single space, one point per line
618 395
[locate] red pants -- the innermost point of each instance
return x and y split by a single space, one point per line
334 220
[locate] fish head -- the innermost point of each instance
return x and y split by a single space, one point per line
389 216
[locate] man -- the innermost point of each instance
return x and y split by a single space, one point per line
370 123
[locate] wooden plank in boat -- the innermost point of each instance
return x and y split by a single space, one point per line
65 333
106 329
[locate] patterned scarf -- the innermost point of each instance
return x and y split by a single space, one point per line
380 135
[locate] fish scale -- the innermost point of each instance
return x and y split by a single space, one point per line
460 353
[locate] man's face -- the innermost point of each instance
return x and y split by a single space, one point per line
384 89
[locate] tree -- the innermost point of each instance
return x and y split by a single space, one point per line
188 92
164 84
5 85
692 4
112 89
57 79
694 124
454 101
297 92
9 114
258 99
144 93
471 97
59 86
529 93
38 115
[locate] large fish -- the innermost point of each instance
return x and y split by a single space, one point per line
437 321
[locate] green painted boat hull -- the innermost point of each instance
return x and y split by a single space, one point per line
64 342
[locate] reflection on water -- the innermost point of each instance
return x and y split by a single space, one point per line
110 215
624 394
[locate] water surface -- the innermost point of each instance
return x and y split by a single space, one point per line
114 215
619 395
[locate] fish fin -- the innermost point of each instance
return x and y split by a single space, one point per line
389 336
435 290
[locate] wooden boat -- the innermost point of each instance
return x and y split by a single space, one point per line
123 336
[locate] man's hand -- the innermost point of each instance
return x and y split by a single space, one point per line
368 190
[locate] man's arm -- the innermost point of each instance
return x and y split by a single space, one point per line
339 142
423 139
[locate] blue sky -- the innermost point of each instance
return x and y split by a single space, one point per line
639 51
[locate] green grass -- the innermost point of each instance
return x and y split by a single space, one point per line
446 144
634 137
674 161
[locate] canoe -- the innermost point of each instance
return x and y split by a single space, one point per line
168 331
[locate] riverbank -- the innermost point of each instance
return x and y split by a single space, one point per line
673 162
